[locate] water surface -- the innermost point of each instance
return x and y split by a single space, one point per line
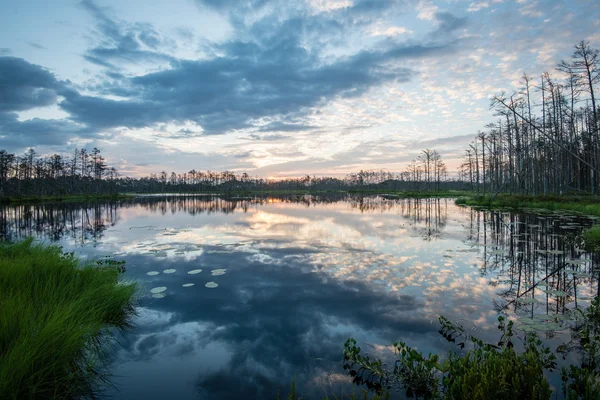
289 280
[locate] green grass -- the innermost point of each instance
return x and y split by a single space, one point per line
62 199
591 238
584 204
54 321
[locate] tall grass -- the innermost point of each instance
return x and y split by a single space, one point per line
55 321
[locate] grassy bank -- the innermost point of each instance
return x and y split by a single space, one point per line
62 199
584 204
54 321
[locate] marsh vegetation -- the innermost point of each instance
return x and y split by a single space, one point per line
58 321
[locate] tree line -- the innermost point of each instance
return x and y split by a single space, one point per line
32 175
545 140
87 173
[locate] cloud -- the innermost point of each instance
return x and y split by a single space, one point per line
15 134
280 126
24 85
448 22
272 69
268 138
473 7
121 42
36 45
271 76
233 4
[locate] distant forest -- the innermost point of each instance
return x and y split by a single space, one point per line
545 141
87 173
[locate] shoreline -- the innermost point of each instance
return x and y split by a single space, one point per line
17 200
390 194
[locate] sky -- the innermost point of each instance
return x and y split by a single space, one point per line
270 87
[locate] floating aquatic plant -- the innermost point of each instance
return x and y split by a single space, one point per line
152 273
194 271
187 284
576 261
211 285
169 271
159 295
217 272
557 293
527 301
158 289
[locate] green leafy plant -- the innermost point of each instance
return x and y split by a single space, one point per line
486 371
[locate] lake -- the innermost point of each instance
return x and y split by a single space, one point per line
239 296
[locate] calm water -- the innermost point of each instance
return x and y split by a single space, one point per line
302 275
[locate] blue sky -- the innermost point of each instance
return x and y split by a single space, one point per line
274 88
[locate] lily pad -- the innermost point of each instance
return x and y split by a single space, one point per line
159 295
570 271
576 261
557 293
169 271
548 326
217 272
211 285
527 301
152 273
527 321
194 271
527 328
158 289
187 284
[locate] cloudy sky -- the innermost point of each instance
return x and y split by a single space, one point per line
271 87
